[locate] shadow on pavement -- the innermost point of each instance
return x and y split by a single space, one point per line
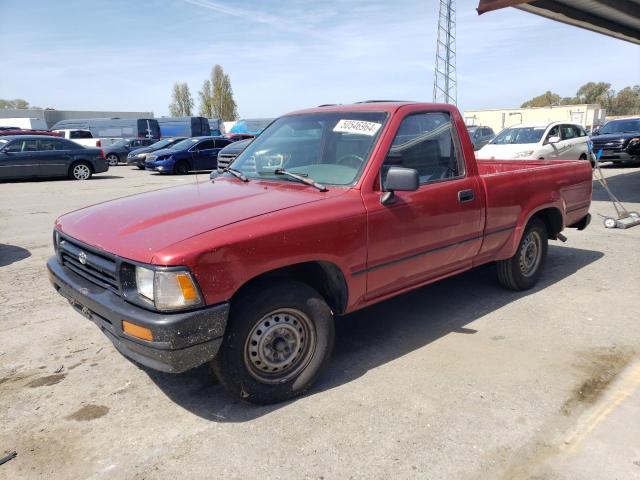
625 186
11 254
379 334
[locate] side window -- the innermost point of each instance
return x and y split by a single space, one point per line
221 143
135 143
567 132
490 132
14 147
579 131
30 146
79 134
50 144
206 145
554 132
425 142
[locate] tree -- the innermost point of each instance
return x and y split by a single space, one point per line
206 100
15 103
595 93
223 104
626 102
545 100
181 101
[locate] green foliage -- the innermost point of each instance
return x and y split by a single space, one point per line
15 103
181 101
624 102
547 99
216 96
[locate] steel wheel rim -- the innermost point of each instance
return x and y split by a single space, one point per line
280 346
81 172
530 254
113 160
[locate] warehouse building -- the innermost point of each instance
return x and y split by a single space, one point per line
587 115
51 117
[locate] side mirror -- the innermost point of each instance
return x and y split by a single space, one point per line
399 179
554 139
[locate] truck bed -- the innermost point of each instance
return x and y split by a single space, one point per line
516 188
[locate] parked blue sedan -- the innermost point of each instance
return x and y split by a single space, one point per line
197 153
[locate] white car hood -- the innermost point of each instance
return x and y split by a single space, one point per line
505 152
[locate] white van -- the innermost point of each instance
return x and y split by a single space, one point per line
24 123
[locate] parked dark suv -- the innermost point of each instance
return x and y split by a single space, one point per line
480 136
32 156
619 141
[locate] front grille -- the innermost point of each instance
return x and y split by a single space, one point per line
615 145
88 263
225 160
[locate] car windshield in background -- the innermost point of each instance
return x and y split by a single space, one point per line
621 126
330 148
519 135
185 144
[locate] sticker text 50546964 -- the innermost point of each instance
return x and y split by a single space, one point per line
358 127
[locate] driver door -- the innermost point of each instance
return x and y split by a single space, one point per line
434 230
205 155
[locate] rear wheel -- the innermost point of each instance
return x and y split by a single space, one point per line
113 159
181 168
523 270
279 337
80 171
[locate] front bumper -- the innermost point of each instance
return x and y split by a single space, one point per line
618 156
181 341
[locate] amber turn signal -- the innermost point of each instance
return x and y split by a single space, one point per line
136 331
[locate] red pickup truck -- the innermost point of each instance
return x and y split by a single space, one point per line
328 211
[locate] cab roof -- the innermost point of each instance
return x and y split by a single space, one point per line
388 106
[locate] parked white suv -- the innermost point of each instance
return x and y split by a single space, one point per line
556 140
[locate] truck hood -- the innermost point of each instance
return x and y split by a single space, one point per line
138 226
504 152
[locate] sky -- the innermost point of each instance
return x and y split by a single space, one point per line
284 55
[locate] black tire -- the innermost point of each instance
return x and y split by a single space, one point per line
522 271
181 168
238 365
140 167
112 159
583 157
80 171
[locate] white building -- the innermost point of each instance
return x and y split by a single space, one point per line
587 115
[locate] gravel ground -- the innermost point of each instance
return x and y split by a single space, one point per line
460 379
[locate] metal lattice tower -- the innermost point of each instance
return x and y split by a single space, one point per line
445 85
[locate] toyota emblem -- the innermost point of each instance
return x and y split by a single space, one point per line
82 258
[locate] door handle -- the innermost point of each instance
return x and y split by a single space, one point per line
465 196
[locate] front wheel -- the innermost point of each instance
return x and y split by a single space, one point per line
279 337
522 271
181 168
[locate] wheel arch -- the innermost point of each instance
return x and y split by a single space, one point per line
323 276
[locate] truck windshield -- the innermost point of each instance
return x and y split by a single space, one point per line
519 135
621 126
330 148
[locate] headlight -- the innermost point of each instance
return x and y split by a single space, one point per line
167 289
526 153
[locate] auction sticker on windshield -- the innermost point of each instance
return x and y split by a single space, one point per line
358 127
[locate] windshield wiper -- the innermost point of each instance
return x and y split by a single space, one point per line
236 173
300 178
